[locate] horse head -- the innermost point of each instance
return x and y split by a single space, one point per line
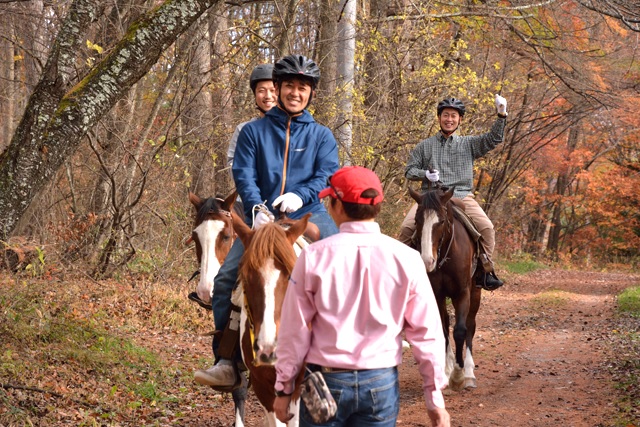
263 274
213 236
433 223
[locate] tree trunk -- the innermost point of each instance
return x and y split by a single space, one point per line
286 14
55 122
7 78
346 73
326 46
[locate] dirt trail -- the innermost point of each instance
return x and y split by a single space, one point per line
540 355
540 351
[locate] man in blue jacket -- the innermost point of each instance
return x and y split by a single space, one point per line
281 163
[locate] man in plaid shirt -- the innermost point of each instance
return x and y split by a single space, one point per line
449 158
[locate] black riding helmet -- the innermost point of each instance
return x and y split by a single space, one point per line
454 103
296 66
260 73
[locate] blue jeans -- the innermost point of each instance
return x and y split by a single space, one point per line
225 281
364 398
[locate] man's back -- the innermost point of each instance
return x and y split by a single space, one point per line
360 282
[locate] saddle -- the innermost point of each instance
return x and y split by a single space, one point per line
460 214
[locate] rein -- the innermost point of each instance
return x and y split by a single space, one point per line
252 334
445 258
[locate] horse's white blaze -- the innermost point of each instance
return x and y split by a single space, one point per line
270 275
208 233
426 250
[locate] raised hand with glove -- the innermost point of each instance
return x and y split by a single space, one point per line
289 202
501 105
433 175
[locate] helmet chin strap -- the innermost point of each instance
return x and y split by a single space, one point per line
448 134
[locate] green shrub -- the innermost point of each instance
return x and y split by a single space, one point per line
629 301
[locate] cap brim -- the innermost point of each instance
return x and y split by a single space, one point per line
326 192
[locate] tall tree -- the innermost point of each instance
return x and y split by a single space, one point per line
58 116
346 75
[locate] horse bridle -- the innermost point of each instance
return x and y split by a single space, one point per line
190 239
444 258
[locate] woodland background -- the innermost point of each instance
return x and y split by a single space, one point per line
111 111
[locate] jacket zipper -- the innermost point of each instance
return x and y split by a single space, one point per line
286 156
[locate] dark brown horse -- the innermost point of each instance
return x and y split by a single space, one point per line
263 278
449 255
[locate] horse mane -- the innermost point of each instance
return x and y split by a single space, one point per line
210 204
431 200
214 205
269 241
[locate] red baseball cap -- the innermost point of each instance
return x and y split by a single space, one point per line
348 184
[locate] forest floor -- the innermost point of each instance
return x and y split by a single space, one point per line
546 352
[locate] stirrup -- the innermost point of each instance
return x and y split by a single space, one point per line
193 296
481 281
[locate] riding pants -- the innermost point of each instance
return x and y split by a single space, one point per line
473 209
225 281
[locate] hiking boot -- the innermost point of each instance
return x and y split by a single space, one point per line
222 374
489 281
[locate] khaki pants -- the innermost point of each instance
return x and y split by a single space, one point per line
473 209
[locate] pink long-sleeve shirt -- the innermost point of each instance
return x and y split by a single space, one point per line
358 290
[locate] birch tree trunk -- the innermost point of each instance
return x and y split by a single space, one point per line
345 75
57 119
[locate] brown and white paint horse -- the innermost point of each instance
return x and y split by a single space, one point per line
213 236
263 277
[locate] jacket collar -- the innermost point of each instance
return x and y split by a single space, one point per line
280 115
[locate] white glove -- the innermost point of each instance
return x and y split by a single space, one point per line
501 105
289 202
262 219
433 176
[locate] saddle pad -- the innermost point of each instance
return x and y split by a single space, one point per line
468 223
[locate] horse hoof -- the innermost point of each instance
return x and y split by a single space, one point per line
455 385
470 383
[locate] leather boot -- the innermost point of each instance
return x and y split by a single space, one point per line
489 281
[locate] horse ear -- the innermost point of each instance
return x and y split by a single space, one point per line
230 201
242 230
195 200
297 228
415 195
447 195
